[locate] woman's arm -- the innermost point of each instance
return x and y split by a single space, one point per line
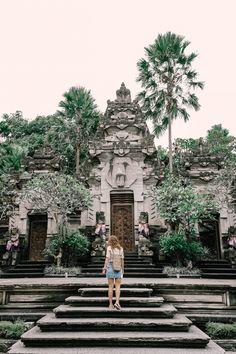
105 265
107 259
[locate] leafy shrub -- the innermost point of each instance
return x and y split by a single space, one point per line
13 330
72 243
176 245
78 244
181 270
221 330
62 270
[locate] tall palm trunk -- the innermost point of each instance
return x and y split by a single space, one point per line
170 145
78 140
78 151
170 93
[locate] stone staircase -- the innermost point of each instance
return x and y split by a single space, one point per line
217 269
25 269
135 267
85 325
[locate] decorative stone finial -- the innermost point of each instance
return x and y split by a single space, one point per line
123 94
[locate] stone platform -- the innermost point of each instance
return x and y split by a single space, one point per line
84 324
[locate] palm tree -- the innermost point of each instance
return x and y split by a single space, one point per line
79 108
168 81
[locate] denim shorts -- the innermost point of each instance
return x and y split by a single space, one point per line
111 274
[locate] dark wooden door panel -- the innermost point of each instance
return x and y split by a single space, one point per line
123 225
38 235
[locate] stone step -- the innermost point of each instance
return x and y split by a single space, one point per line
28 305
215 266
28 316
141 261
26 270
227 344
219 270
194 338
214 261
44 262
221 316
126 275
125 301
131 258
22 275
127 264
128 269
67 311
19 348
124 292
52 323
219 275
200 307
31 265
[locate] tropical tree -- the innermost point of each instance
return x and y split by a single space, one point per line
9 158
61 195
182 207
168 81
221 142
80 111
58 193
21 137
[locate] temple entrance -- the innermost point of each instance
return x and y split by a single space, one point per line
37 236
209 237
122 219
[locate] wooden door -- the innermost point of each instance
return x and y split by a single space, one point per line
122 221
37 237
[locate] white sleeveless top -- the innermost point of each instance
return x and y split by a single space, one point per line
115 251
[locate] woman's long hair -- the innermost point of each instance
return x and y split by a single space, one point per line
113 242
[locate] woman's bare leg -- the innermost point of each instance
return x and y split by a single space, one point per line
117 284
110 290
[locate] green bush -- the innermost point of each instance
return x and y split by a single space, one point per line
221 330
72 243
13 330
176 246
78 244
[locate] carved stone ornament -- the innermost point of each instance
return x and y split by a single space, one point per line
204 163
44 159
121 148
123 94
206 176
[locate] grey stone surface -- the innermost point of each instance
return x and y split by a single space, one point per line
124 291
194 338
178 323
126 301
132 327
165 310
91 282
211 348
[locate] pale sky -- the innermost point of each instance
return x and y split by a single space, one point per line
47 46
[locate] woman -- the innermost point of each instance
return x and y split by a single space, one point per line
114 248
